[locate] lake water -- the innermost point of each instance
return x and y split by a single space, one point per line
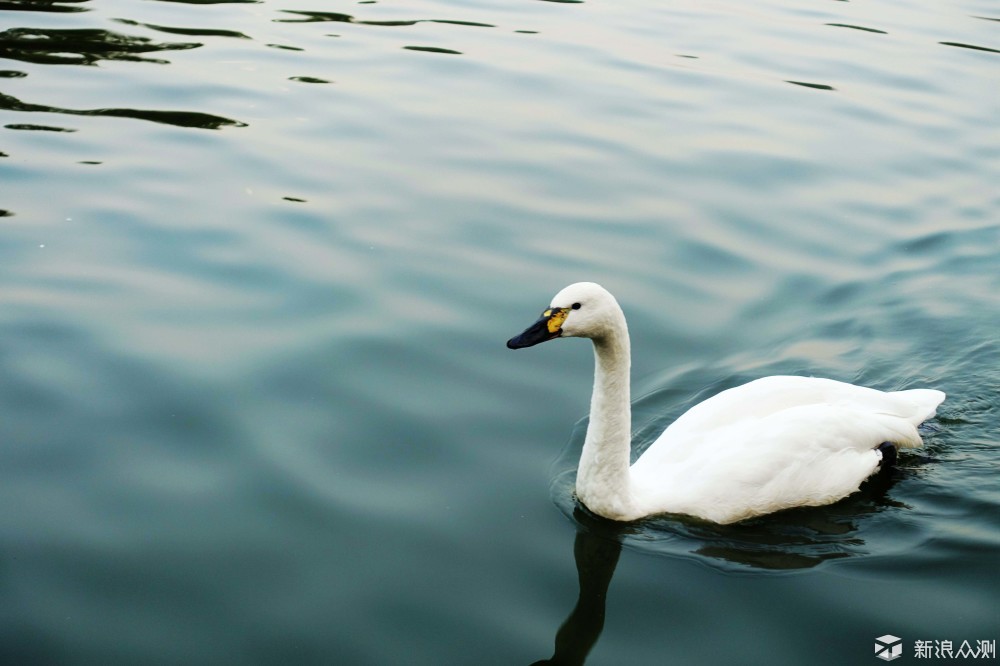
258 262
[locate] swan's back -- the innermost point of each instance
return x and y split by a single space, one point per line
774 443
768 395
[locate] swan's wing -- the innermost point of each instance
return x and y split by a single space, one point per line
805 455
765 397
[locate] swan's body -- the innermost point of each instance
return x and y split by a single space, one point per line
771 444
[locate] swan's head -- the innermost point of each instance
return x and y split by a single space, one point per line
581 310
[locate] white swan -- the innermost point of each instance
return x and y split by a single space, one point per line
771 444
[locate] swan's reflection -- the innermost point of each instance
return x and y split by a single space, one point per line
596 549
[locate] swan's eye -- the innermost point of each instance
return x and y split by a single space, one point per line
576 306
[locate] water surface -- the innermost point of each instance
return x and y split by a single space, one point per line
258 261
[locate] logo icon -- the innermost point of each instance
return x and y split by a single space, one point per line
888 647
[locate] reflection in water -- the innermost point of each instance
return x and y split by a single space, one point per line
193 119
596 549
50 46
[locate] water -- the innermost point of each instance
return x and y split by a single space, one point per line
259 260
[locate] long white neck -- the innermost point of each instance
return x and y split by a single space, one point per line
602 480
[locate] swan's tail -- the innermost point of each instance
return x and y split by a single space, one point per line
909 409
919 404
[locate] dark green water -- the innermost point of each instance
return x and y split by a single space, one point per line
258 261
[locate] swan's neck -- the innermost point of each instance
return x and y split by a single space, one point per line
602 480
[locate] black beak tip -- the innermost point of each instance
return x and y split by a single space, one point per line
516 342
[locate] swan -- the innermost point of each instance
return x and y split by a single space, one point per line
771 444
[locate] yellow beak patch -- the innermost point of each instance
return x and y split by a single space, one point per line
556 318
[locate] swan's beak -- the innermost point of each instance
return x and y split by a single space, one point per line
548 326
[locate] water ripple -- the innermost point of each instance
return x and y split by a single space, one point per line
857 27
192 119
308 79
432 49
193 32
54 6
37 128
212 2
337 17
815 86
87 46
970 46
